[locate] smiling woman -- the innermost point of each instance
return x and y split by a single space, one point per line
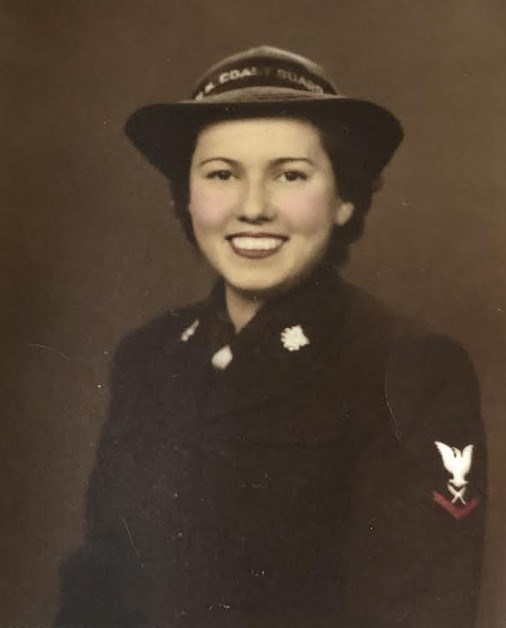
263 190
289 452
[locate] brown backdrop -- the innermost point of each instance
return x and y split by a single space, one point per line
90 250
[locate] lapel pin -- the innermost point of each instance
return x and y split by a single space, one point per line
189 331
293 338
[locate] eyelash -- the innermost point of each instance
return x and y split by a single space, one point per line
218 174
299 175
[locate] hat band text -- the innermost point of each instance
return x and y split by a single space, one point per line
262 75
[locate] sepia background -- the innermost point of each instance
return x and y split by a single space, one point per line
89 248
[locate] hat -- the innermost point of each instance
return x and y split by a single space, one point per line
265 81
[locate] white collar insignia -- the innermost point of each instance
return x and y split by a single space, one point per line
293 338
222 358
189 331
458 463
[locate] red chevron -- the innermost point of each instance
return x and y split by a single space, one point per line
458 513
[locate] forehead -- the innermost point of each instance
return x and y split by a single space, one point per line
261 135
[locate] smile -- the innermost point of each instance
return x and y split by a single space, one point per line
256 245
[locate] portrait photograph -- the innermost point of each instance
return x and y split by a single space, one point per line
254 314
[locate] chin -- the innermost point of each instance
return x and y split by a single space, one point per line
263 285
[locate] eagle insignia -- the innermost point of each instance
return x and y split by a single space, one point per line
458 464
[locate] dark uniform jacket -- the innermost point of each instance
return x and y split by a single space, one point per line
332 475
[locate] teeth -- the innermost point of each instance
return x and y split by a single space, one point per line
256 244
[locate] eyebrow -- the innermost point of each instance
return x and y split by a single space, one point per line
280 161
231 162
284 160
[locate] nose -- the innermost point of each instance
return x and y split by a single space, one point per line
255 207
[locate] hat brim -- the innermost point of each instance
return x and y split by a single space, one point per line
164 132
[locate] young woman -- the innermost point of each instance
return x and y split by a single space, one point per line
288 452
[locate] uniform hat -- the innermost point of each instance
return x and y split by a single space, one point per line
265 81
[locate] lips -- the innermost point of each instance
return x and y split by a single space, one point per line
256 245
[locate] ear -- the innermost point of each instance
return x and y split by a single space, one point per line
344 211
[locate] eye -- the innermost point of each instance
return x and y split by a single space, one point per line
294 175
221 175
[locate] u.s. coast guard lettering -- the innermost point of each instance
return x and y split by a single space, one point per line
458 463
277 75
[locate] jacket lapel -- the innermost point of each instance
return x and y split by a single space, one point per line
287 343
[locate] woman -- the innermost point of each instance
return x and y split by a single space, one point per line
288 452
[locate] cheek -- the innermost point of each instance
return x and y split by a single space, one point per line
209 208
308 210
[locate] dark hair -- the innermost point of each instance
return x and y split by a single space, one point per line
353 184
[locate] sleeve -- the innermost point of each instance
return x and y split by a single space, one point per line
418 498
95 580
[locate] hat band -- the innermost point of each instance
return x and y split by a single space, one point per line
262 73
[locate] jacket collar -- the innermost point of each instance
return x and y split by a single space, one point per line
288 340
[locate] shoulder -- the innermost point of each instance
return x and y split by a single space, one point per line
432 391
429 377
371 326
412 346
366 315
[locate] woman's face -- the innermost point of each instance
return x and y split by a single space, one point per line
263 201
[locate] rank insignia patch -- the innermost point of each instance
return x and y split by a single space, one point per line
458 463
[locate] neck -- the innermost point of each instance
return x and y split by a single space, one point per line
241 307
